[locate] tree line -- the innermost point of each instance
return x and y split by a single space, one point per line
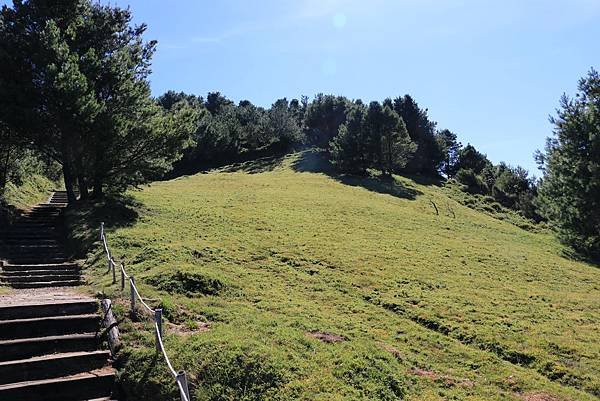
74 93
395 136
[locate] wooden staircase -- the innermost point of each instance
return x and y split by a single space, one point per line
50 348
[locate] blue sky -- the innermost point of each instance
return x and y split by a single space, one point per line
491 71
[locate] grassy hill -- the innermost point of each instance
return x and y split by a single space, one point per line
35 189
284 283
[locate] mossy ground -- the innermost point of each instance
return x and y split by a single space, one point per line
248 263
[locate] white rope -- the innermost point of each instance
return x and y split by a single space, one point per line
162 348
140 297
182 391
127 276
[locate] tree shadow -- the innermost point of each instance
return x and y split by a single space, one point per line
83 219
261 165
315 161
575 256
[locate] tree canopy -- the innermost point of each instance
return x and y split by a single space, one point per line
73 85
570 191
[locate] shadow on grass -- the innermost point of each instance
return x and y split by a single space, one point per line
314 161
84 218
571 254
262 165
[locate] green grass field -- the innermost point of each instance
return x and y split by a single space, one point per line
283 283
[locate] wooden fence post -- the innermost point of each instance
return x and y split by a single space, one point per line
122 276
110 323
159 331
182 379
132 290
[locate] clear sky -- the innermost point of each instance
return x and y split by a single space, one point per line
491 71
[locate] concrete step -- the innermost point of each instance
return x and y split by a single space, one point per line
24 231
36 251
24 348
31 236
29 254
32 278
61 272
50 223
61 308
82 386
35 260
41 261
43 266
35 246
49 326
47 284
38 218
47 366
26 241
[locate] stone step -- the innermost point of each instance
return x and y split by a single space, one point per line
43 266
48 326
35 217
17 260
46 284
33 224
32 235
32 278
47 366
16 273
16 251
26 242
24 348
60 308
82 386
101 399
35 255
35 246
35 260
30 228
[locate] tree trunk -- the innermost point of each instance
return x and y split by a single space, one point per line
68 176
83 188
98 192
4 174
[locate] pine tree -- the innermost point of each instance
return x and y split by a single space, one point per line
570 191
348 149
74 84
389 147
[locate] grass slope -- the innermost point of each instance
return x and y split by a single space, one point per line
35 189
280 283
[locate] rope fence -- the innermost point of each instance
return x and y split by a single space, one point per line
180 377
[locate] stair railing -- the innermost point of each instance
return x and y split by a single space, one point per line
156 314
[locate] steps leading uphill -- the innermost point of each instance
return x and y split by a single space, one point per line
33 249
50 345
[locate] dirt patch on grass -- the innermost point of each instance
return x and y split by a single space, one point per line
391 350
326 337
188 329
448 380
539 396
